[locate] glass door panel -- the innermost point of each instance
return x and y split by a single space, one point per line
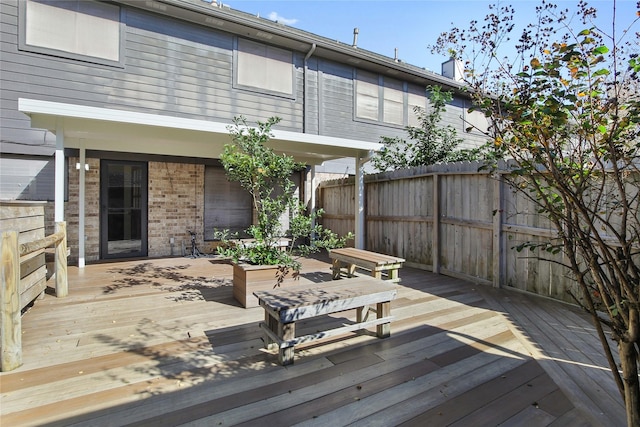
124 209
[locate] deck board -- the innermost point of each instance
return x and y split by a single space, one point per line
163 342
574 361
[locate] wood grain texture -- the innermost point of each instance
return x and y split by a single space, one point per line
465 223
11 325
162 342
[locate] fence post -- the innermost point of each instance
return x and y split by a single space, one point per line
498 258
11 325
62 285
435 236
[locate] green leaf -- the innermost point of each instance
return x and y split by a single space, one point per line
600 50
602 129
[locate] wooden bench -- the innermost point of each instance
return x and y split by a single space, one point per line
350 258
285 306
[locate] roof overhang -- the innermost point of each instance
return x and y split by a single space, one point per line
107 129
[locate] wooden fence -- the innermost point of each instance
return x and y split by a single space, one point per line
454 220
23 272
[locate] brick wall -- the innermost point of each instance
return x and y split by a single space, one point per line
92 210
176 204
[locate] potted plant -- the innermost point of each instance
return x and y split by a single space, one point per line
270 253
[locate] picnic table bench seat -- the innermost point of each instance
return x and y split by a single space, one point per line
377 263
285 306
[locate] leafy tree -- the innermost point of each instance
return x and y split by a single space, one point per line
266 175
565 114
429 143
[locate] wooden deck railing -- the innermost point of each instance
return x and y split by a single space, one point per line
16 292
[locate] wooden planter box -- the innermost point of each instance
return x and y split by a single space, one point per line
249 278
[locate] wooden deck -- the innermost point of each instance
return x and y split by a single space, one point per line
162 342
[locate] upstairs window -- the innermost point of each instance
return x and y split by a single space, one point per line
415 100
393 103
385 100
76 29
367 95
265 68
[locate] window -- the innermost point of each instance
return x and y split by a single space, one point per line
393 103
415 100
367 96
227 206
75 29
263 67
475 120
28 177
384 100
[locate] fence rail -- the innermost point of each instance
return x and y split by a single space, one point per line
454 220
22 281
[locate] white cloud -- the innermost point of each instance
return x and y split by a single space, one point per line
274 16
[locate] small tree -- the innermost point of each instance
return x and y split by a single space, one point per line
566 114
428 143
266 175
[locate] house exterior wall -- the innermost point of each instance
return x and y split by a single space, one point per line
91 206
169 67
176 204
181 69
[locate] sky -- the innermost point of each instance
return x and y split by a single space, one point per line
408 25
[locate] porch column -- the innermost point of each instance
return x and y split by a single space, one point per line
81 209
312 195
59 173
359 217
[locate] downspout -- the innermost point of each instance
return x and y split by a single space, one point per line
312 199
360 219
304 89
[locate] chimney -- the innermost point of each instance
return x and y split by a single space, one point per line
453 69
355 37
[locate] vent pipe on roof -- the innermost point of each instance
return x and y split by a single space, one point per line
395 58
355 37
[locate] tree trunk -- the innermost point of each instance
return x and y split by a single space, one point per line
628 361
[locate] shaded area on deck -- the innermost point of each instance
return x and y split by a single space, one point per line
163 342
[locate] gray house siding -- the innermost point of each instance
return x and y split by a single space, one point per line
459 118
27 177
181 69
170 67
338 104
312 83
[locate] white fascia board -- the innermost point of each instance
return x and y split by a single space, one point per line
312 139
308 142
58 109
